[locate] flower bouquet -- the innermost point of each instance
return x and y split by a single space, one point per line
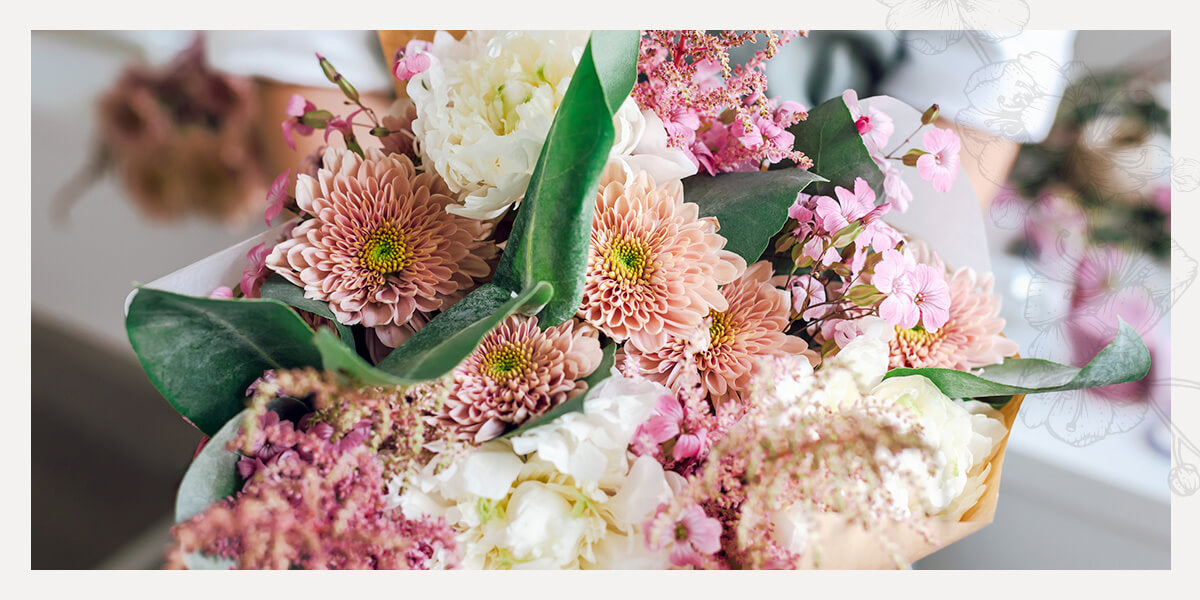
596 301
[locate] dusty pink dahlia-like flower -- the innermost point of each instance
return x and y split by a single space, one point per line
654 266
970 338
751 327
381 248
517 373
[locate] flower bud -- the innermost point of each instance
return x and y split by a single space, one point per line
910 157
330 73
316 118
930 115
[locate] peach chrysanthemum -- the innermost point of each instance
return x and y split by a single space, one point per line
381 248
517 373
751 327
654 266
970 338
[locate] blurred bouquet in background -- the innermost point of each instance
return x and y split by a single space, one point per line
181 140
1089 211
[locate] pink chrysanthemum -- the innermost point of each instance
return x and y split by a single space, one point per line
381 248
517 373
654 266
971 336
751 327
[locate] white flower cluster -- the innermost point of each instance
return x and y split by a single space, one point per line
486 103
563 495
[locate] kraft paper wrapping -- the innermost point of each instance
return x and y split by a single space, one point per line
962 244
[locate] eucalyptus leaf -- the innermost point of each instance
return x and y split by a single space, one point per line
604 371
1123 360
202 353
336 356
750 207
830 138
280 289
552 232
213 475
452 335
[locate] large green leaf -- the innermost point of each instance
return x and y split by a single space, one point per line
751 207
830 138
552 231
336 356
452 335
202 353
604 371
1123 360
280 289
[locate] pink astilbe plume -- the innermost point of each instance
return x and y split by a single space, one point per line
716 112
314 491
381 248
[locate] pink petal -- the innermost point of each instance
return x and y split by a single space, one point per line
276 196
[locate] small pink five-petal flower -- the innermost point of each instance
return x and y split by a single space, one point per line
664 424
849 206
692 536
412 60
940 163
917 293
297 106
255 271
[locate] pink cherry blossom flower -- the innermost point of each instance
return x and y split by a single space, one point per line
692 535
256 270
940 163
297 106
411 60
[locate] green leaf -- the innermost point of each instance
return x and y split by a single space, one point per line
291 294
604 371
452 335
552 232
202 353
335 356
751 207
1123 360
212 475
830 138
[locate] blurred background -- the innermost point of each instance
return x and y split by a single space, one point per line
152 150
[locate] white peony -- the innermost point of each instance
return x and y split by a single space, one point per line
963 434
563 495
486 103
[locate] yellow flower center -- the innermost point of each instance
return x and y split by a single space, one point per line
721 331
506 361
918 335
386 250
628 261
